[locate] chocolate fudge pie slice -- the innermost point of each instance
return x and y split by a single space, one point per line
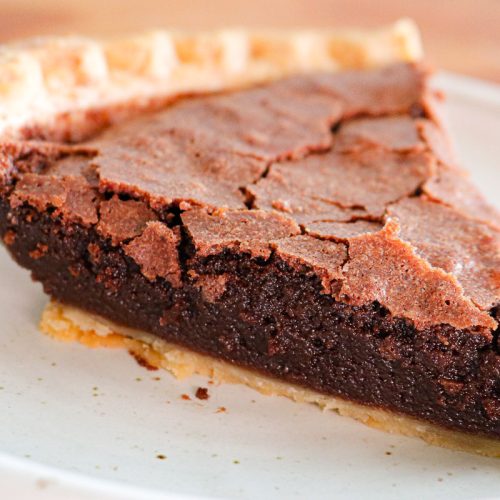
281 210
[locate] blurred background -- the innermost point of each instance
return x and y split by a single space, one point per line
459 35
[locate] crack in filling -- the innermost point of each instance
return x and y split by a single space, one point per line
339 173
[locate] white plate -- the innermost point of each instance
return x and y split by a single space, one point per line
61 438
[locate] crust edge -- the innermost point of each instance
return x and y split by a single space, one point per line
43 80
70 324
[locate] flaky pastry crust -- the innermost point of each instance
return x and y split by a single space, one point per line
59 86
70 324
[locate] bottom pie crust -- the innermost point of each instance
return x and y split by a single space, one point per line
71 324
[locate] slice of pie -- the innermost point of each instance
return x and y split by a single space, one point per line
279 209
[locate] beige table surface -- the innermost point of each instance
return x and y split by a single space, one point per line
459 35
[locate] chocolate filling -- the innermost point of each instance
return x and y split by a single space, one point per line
276 320
242 227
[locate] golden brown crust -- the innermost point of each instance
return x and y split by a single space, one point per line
43 79
67 323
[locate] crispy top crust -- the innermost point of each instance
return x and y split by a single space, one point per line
42 80
347 175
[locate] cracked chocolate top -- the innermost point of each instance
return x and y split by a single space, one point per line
349 176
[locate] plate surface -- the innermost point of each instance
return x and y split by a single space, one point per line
81 424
